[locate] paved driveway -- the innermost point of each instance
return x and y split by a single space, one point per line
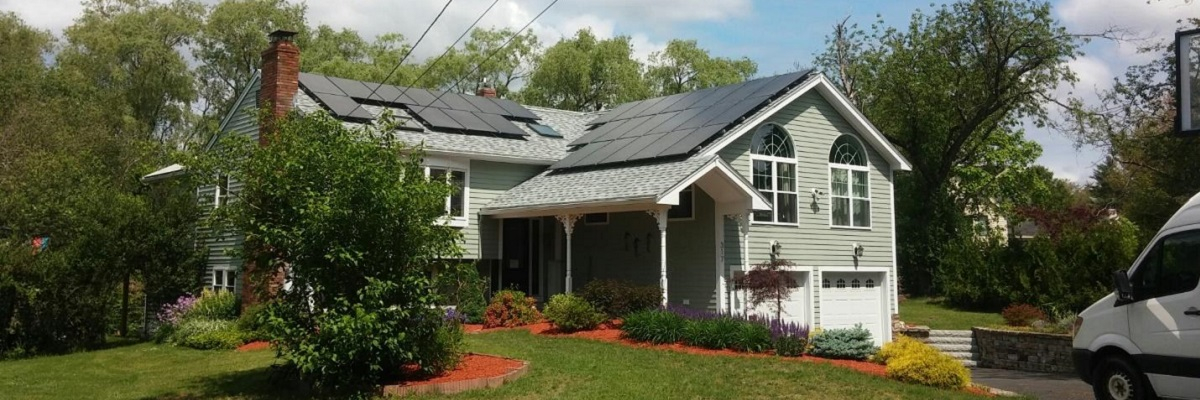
1040 385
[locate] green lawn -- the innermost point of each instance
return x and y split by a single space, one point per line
561 368
934 314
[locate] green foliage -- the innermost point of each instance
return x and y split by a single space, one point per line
253 322
1068 271
791 346
619 298
654 326
911 361
218 305
1022 315
461 285
511 308
585 73
726 332
208 334
684 67
570 313
848 343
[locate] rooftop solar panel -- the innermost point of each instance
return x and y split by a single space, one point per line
456 101
664 103
485 105
424 98
717 95
677 119
514 110
693 139
435 118
606 149
778 83
731 112
689 99
319 84
599 132
619 132
637 109
656 148
544 130
612 113
501 124
469 121
648 126
354 89
389 94
573 157
637 145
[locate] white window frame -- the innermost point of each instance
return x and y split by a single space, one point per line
690 191
453 165
850 188
226 272
221 196
773 193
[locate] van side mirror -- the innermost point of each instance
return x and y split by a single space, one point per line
1124 288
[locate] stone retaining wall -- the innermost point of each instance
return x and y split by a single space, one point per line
916 332
1023 351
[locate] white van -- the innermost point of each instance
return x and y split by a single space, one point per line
1143 340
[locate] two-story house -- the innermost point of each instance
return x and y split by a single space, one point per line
684 191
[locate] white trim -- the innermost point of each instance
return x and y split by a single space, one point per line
451 166
719 253
895 272
854 269
774 162
758 202
850 169
225 270
691 215
217 192
839 103
489 157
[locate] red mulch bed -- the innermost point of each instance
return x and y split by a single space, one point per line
254 346
472 366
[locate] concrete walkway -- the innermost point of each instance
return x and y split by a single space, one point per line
1057 386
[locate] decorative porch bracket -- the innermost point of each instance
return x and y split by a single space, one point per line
568 223
660 215
743 221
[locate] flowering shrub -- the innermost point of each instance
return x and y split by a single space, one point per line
219 305
1022 315
172 313
790 339
511 308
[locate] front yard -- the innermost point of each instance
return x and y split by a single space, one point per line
560 368
936 315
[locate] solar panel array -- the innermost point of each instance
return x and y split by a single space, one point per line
672 125
437 109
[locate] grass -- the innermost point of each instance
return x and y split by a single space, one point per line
560 368
936 315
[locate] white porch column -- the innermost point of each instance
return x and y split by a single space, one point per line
743 221
660 215
568 222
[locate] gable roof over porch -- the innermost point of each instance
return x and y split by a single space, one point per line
626 188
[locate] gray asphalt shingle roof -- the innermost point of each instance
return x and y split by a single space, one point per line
561 187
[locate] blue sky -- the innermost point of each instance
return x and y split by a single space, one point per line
776 34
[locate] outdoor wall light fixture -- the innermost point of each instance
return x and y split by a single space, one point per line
857 249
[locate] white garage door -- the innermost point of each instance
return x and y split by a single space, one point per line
849 298
795 308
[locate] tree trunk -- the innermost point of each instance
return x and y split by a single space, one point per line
124 331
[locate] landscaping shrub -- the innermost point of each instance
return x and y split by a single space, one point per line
208 334
222 305
848 343
727 332
460 285
654 326
619 298
572 313
909 360
754 337
252 323
1022 315
789 339
511 308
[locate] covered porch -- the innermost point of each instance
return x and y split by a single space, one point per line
658 224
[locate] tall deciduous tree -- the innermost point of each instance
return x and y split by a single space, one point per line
947 90
463 69
585 73
683 67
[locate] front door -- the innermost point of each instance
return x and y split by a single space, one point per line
521 255
1164 320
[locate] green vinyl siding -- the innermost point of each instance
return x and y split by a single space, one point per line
223 246
814 124
487 181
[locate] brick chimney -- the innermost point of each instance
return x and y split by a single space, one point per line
280 80
486 90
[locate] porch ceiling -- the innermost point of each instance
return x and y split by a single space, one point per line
625 188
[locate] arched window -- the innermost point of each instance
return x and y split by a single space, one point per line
825 283
855 284
841 284
870 283
773 160
849 184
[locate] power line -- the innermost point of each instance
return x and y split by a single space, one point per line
448 49
411 49
497 50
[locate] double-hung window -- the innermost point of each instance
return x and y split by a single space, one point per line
456 202
223 278
221 192
849 184
773 164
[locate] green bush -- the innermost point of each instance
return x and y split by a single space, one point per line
791 346
726 332
207 334
461 286
511 308
619 298
253 322
219 305
849 343
909 360
572 313
654 326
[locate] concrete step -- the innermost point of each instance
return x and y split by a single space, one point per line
962 355
950 340
947 347
944 333
969 363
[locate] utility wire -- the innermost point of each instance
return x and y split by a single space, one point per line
411 49
448 50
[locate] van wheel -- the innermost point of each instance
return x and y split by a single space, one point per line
1117 379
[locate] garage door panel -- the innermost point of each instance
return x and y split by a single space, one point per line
850 298
795 308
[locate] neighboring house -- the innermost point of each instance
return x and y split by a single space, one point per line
685 191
